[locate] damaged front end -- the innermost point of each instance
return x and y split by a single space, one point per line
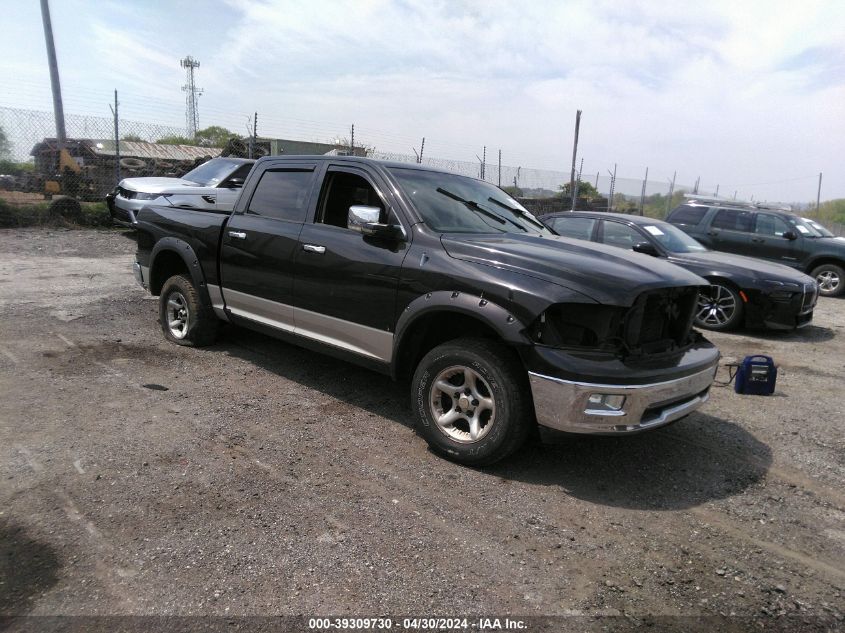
608 369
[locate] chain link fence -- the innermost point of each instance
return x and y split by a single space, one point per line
29 157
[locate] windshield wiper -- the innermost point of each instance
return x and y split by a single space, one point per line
517 212
471 204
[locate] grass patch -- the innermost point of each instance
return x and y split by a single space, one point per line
93 214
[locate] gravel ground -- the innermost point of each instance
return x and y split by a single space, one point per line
256 478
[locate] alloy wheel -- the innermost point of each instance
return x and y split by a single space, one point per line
462 404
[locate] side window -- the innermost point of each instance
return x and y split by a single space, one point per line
341 191
768 224
621 235
687 215
733 220
282 194
578 228
239 176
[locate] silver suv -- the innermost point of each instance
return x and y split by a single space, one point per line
213 186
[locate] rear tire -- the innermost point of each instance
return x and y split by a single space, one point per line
472 401
831 279
184 318
720 308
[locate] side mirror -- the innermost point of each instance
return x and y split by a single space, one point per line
790 235
646 248
235 183
365 220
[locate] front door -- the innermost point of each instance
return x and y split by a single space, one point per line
346 283
259 246
769 242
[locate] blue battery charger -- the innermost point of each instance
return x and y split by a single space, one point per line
756 375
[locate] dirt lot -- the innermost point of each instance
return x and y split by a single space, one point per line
253 477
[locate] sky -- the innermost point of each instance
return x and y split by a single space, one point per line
747 96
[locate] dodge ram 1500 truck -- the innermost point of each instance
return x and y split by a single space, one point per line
444 280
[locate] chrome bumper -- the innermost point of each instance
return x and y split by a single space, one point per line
564 405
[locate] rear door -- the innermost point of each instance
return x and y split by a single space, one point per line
346 283
730 231
259 245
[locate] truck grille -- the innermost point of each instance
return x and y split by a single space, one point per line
660 321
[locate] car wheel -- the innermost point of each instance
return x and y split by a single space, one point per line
472 401
184 318
719 308
831 279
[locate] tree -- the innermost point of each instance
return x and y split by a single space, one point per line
213 136
175 140
512 191
131 137
5 145
585 190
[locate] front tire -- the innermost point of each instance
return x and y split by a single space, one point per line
831 279
719 308
472 401
185 319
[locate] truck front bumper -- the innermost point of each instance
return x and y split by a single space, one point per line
602 409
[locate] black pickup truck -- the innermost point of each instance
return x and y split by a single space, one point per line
442 280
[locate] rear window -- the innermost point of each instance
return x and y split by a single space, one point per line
687 215
733 220
578 228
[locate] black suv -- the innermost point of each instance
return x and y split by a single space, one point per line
766 233
441 280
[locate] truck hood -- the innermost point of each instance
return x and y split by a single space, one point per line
740 265
606 274
159 185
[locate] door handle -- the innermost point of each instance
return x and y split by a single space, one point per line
313 248
237 234
713 233
757 239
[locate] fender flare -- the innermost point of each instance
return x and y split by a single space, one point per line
187 254
500 320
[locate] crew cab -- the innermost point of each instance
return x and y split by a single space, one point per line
211 186
766 232
444 281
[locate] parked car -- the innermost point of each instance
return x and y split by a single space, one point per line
743 290
766 233
212 186
443 280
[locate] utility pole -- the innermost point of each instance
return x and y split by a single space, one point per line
612 187
671 191
500 168
192 94
484 163
352 141
574 155
577 183
819 195
58 108
254 132
717 191
642 193
116 141
695 189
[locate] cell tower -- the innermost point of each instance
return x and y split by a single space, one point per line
192 94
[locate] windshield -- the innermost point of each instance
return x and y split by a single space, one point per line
819 230
212 173
673 239
456 204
